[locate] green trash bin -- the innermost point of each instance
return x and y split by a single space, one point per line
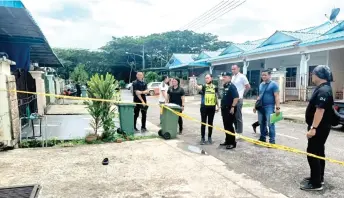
126 118
169 122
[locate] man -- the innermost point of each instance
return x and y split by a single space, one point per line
163 87
139 92
229 101
209 105
318 118
241 83
270 100
176 95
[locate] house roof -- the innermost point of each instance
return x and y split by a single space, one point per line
18 26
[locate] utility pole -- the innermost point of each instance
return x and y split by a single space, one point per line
143 57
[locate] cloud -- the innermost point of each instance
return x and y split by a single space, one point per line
91 23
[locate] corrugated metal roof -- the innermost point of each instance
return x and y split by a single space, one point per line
269 48
185 58
212 53
323 28
18 26
232 55
324 39
302 36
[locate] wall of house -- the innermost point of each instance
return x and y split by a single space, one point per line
336 62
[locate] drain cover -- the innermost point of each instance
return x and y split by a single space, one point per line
30 191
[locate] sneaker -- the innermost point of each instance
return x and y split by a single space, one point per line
210 141
180 131
224 144
231 146
203 141
310 187
308 179
254 127
136 130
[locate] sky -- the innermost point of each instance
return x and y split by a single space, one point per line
91 24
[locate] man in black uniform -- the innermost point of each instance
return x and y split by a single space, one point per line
228 107
139 91
318 118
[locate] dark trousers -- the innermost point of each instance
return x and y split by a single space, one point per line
180 123
143 115
316 146
228 120
207 112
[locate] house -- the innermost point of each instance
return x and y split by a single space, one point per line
294 52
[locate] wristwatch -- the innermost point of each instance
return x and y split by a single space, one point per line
312 127
278 108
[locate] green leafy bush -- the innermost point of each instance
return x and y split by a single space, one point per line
122 84
151 77
102 87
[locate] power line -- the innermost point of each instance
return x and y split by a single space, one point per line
203 15
219 15
226 6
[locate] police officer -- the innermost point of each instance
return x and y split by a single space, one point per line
139 92
318 118
229 101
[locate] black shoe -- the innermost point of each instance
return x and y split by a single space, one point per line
231 146
210 141
308 179
224 144
136 130
143 130
105 161
180 131
202 141
310 187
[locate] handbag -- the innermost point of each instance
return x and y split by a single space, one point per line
259 103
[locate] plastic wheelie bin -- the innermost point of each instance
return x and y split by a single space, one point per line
169 122
126 118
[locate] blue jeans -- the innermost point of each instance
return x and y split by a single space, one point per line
264 121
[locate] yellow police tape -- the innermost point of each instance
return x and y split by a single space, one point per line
265 144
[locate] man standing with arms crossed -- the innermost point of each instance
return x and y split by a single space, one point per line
241 83
139 92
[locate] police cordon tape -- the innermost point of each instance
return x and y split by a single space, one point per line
253 141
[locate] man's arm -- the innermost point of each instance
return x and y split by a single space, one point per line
319 113
247 85
138 94
277 99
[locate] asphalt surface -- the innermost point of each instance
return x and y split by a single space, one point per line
276 169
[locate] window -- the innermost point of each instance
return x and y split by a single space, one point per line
310 69
291 77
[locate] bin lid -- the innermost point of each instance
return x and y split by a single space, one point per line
126 103
173 106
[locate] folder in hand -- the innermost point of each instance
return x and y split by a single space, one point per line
274 118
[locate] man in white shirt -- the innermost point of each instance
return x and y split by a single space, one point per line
163 87
241 83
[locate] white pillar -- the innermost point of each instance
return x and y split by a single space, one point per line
211 69
246 64
51 87
303 79
5 113
40 88
57 85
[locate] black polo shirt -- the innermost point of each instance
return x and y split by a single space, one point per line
139 86
175 95
230 92
322 98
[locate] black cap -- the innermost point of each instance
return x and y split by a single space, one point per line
226 74
323 72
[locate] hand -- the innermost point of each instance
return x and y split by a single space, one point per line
311 133
182 108
217 109
143 103
254 110
278 111
232 110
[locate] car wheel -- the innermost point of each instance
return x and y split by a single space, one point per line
152 93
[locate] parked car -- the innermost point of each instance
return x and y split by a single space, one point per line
128 86
153 88
339 107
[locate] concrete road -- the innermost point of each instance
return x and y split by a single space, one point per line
278 170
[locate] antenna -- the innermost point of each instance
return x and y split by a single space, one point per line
333 16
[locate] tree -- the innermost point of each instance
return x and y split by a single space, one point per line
79 74
151 77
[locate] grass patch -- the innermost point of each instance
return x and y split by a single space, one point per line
71 143
248 104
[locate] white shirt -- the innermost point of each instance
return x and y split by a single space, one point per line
240 80
162 87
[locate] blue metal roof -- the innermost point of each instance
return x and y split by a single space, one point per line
323 28
327 38
18 26
275 47
337 28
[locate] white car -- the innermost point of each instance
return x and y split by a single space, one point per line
128 86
